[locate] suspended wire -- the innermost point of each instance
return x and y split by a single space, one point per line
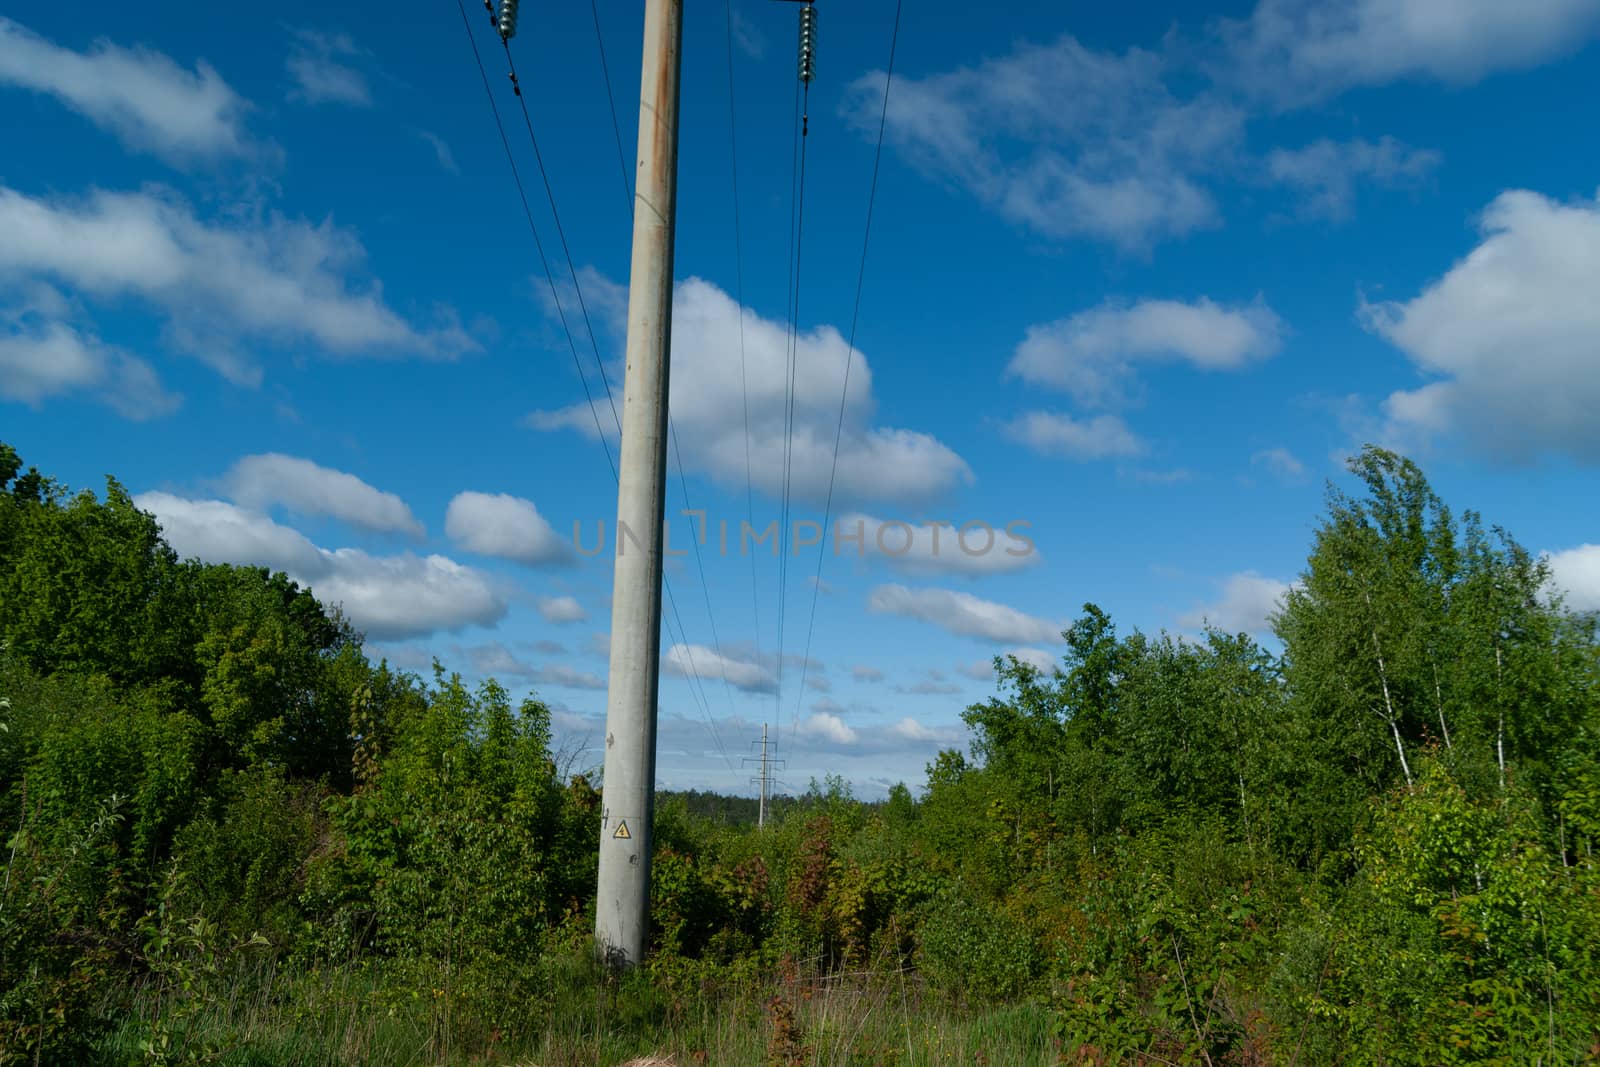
797 187
566 251
738 278
616 129
850 349
705 587
527 212
700 700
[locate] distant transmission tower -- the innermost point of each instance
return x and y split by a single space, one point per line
763 778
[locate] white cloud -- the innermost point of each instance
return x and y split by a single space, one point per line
862 673
217 283
219 532
320 76
561 609
1040 660
964 614
387 597
708 399
910 729
686 661
150 102
828 726
1037 658
1091 355
499 524
1120 163
261 481
1576 572
1299 51
1509 333
1325 172
1100 437
933 547
1279 462
1247 604
43 355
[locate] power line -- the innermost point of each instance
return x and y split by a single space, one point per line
594 343
616 129
797 192
566 251
702 703
527 212
738 276
850 349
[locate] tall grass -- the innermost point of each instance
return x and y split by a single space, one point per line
266 1015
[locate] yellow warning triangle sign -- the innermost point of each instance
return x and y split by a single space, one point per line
622 830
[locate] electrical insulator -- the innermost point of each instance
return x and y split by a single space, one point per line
506 19
808 42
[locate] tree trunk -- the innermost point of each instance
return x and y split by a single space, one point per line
1388 701
1500 707
1438 700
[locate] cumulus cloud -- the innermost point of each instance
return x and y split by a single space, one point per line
1053 434
1092 355
1247 604
561 609
44 354
150 102
1121 164
261 481
931 547
1509 334
875 462
318 63
1300 51
862 673
1576 573
964 614
1128 148
506 526
1326 172
828 726
1039 659
217 283
387 597
911 730
685 661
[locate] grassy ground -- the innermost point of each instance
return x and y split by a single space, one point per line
354 1018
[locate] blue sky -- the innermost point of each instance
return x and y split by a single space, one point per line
1137 280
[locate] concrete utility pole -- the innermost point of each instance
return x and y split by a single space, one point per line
622 907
